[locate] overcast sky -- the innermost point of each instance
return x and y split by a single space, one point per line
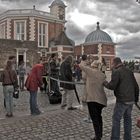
119 18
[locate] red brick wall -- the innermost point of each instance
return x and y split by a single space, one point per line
108 49
91 49
77 50
5 30
28 29
67 49
54 29
54 49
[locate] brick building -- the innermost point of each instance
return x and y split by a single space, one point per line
98 44
45 29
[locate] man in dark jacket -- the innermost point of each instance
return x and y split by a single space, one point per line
126 91
66 75
54 72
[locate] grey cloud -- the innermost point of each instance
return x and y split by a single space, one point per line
129 48
75 33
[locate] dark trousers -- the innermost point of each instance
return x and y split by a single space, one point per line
54 84
21 83
95 111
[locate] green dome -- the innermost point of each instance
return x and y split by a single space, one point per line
98 36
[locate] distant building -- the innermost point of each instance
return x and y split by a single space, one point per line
98 44
20 27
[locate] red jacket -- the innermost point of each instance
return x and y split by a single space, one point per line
34 80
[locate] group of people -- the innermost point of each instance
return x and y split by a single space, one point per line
126 91
123 82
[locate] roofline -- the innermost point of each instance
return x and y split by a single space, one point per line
31 13
91 43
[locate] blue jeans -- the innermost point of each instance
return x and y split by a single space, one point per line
8 96
21 83
122 110
33 103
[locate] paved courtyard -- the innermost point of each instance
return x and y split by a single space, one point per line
55 123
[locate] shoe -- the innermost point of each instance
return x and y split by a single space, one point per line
72 108
36 113
63 106
9 115
95 138
87 120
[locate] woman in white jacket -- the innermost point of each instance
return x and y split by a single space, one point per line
95 96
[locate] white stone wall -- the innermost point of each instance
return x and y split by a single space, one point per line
32 29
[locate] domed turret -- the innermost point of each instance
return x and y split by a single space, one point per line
98 36
58 8
58 2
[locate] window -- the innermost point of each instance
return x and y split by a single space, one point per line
2 31
20 30
42 35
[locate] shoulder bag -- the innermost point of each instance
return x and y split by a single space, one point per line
16 90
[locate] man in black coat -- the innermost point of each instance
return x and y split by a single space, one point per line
126 91
66 75
54 72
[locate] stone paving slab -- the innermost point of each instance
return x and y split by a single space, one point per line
58 125
55 123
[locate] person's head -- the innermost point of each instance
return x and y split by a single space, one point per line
69 59
22 63
9 65
84 57
116 62
53 56
103 61
12 58
95 64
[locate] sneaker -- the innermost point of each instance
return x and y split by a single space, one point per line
95 138
9 115
87 120
36 113
72 108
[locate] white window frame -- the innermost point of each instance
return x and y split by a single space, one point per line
15 29
43 34
2 30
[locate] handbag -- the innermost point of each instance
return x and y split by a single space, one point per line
16 90
16 93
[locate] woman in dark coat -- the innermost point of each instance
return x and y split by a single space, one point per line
66 75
